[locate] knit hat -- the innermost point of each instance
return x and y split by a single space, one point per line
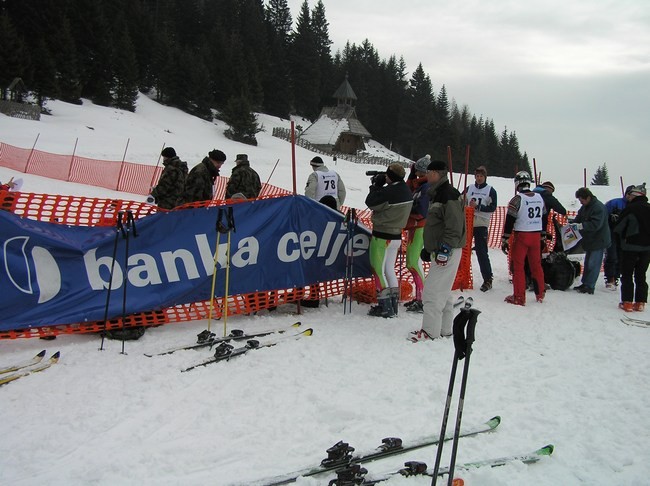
396 172
481 170
639 190
317 162
241 158
217 155
437 165
168 152
422 164
628 189
548 185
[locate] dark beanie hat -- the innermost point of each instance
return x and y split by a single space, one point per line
396 172
217 155
437 165
549 186
168 152
317 161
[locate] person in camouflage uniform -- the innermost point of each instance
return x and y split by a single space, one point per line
243 179
169 190
199 185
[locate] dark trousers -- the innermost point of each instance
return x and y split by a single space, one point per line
611 265
634 266
481 248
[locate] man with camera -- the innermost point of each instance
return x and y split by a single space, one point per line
390 201
445 235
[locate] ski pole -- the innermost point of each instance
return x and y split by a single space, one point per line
354 225
130 225
459 322
118 230
465 341
348 275
230 227
214 267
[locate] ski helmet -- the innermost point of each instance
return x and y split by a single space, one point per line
522 178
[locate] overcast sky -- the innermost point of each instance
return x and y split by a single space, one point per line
571 78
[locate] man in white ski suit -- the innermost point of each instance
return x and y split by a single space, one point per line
324 182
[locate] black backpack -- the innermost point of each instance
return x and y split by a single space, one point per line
559 271
126 333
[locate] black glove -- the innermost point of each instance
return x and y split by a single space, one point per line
379 180
613 218
505 246
425 255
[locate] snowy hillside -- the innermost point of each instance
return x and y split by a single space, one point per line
566 372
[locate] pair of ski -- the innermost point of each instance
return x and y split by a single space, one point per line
226 351
208 339
25 368
354 474
631 321
348 465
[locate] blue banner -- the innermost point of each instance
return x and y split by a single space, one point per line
55 274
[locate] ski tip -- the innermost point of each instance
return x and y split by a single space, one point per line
308 332
41 354
547 450
494 422
56 356
296 324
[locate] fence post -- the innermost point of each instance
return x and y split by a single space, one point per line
29 157
74 151
119 177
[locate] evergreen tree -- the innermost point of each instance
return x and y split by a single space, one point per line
44 85
601 177
65 52
417 115
12 59
126 72
243 122
320 28
304 63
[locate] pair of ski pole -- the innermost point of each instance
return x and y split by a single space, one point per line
351 222
221 228
463 334
124 225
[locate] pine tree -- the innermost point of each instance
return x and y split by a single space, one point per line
305 66
12 59
243 122
126 72
601 177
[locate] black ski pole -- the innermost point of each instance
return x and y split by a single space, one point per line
459 321
354 225
118 229
461 340
130 227
347 282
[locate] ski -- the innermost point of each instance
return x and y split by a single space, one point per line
225 351
635 322
340 454
209 339
356 474
23 364
30 370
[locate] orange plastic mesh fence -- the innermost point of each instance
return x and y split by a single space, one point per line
83 211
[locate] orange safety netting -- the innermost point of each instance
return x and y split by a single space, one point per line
85 211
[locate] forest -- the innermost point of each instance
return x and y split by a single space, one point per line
231 58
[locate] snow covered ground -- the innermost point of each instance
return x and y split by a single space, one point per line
566 372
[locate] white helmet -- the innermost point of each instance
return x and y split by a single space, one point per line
523 178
